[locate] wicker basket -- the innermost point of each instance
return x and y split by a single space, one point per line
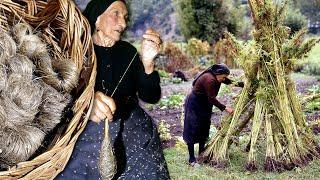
67 31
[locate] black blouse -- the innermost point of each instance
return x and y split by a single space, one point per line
112 63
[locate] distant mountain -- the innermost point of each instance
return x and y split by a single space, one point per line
156 14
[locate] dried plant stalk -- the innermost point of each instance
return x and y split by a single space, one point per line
267 62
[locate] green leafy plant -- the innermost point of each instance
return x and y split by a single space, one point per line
163 73
313 106
315 89
224 89
164 131
176 80
173 101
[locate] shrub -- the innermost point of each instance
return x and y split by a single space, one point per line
176 59
239 15
222 53
196 47
295 20
205 19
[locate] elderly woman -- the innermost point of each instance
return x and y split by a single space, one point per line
134 135
198 107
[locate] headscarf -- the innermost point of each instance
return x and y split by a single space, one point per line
94 9
215 69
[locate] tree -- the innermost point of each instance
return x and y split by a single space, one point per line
309 8
187 21
295 19
240 17
268 100
205 20
151 14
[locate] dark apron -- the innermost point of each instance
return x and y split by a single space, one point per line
197 115
136 145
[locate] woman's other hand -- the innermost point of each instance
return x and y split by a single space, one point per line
103 107
150 48
229 110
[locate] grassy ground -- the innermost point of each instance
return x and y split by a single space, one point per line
311 64
179 169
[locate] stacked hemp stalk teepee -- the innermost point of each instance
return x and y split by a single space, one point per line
268 102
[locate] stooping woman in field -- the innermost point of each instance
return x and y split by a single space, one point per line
134 135
198 107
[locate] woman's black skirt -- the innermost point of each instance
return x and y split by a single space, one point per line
136 144
197 115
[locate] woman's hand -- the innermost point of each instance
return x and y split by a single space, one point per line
150 48
103 107
229 110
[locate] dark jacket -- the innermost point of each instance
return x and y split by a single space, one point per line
208 86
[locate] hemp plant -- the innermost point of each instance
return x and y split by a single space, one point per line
268 102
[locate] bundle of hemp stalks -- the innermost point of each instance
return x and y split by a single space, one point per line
34 92
268 100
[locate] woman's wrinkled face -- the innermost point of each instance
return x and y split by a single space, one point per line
112 22
221 77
